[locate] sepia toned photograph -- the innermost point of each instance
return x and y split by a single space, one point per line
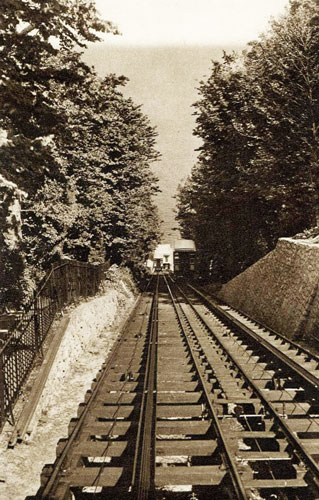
159 250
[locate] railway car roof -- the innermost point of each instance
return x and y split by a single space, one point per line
185 245
161 250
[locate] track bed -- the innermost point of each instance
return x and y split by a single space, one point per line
192 405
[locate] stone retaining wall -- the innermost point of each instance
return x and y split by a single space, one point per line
281 289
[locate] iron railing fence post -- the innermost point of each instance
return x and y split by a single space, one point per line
36 322
2 391
86 281
70 283
66 283
96 279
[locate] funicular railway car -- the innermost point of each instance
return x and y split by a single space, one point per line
179 258
163 258
184 258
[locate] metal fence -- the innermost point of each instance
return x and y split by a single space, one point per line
64 284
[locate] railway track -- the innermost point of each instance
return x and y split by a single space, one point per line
194 402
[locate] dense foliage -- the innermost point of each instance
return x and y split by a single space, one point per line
257 174
78 150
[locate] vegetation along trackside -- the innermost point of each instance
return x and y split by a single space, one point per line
256 178
75 154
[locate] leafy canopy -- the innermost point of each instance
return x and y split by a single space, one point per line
78 149
257 176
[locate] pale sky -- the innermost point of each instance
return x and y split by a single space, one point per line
165 50
191 22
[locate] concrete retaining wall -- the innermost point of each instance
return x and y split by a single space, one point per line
281 289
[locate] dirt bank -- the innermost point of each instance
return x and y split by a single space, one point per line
92 329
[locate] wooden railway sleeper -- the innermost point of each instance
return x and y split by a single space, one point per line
300 449
57 471
303 372
230 464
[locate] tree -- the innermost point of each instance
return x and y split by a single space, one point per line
105 155
71 141
257 174
11 259
285 77
31 33
219 196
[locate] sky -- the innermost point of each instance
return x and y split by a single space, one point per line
192 22
165 50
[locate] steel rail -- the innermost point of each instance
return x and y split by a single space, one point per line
299 448
118 402
235 476
46 492
142 482
302 372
